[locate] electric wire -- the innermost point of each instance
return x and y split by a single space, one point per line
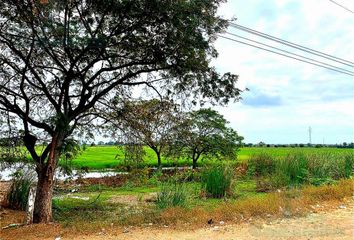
344 7
294 45
284 55
285 51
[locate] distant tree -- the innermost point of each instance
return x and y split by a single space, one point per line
146 122
205 134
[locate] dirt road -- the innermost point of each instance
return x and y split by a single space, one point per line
335 224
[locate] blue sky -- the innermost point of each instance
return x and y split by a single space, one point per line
287 96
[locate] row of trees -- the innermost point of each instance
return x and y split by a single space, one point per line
163 127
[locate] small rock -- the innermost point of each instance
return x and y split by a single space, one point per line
342 206
216 228
150 224
268 215
222 222
126 230
57 238
287 214
165 226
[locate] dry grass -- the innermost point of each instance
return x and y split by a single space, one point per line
280 204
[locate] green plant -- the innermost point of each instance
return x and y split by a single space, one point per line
172 194
261 164
18 195
293 169
216 181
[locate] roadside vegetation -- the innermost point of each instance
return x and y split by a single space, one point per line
266 185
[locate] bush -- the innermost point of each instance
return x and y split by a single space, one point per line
18 195
172 195
216 181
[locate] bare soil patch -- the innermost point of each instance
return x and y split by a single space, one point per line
134 200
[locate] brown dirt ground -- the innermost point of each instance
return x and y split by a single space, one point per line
335 224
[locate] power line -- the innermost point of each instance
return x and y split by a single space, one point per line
341 6
284 55
282 50
294 45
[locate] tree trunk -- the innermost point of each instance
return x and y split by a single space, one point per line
43 203
45 171
158 159
194 163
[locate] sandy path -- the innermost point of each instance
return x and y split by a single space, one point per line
332 225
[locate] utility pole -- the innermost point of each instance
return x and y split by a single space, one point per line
310 132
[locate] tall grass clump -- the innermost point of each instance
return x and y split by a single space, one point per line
216 181
172 194
261 164
18 194
292 170
313 168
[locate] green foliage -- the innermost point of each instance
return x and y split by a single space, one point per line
172 194
18 195
204 134
71 149
261 164
134 156
216 181
299 167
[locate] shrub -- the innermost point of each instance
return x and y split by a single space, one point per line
172 195
216 181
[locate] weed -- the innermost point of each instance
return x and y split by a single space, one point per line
216 181
18 195
261 164
172 195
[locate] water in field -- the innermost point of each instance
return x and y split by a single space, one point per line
6 173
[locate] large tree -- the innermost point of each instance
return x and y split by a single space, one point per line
61 60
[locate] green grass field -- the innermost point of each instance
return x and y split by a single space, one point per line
102 157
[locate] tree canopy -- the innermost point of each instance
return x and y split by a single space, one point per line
146 122
205 133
